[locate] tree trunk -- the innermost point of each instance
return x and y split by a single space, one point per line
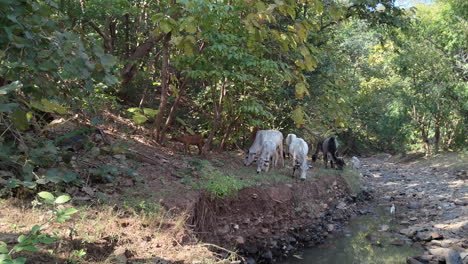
437 135
216 115
142 50
174 107
164 86
127 35
227 133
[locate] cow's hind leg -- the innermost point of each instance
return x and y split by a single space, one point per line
325 160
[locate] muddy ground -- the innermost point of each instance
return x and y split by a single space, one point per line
430 199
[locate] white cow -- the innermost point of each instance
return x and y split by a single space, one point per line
263 135
298 149
288 141
268 156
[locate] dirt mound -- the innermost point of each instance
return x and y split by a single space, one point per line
267 223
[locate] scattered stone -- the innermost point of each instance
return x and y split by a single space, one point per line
298 257
267 255
223 230
341 206
413 205
251 260
453 257
423 236
411 260
236 226
439 252
264 230
397 242
409 232
413 218
240 240
436 235
384 228
330 227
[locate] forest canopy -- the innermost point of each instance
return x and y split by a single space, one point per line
379 76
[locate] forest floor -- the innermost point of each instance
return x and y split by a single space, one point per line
430 196
140 202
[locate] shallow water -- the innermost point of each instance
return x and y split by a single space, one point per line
363 241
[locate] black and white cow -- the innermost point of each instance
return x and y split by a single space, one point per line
329 148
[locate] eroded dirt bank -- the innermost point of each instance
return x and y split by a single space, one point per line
265 224
431 203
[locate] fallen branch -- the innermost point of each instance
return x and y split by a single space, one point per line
144 158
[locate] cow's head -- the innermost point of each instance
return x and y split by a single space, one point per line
263 165
249 157
340 163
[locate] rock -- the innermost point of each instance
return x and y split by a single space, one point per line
384 228
439 252
341 206
453 257
120 157
250 260
413 205
267 255
240 240
397 242
223 230
235 226
423 236
436 235
413 218
411 260
330 227
264 230
409 232
252 249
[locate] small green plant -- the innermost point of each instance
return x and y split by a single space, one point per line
140 116
220 185
30 241
77 256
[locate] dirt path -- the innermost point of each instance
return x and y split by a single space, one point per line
431 202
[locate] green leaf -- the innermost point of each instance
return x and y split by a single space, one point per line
20 120
298 116
46 196
150 112
54 107
10 87
108 60
134 110
8 107
3 247
62 199
35 229
70 211
21 238
19 261
139 118
301 90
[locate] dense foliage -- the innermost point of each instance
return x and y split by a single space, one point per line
378 76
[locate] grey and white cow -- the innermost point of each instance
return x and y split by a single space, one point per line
298 150
255 150
268 156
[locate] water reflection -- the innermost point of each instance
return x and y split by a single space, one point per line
367 240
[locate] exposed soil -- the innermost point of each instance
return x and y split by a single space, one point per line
430 199
265 224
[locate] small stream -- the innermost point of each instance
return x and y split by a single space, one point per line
368 239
